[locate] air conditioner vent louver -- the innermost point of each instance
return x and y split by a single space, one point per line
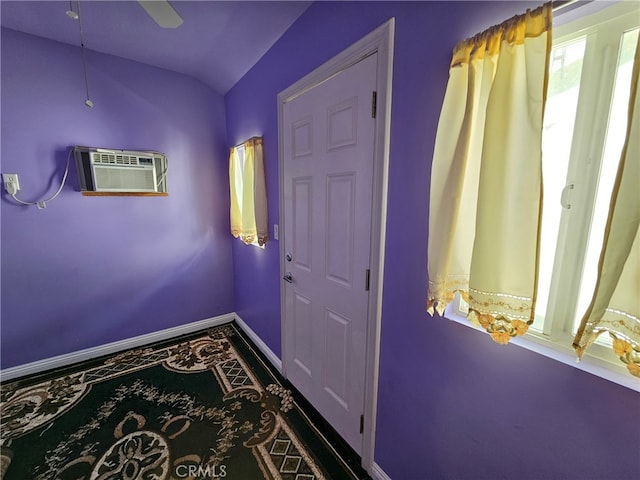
134 180
108 159
104 170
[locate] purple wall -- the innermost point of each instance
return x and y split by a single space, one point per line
452 404
92 270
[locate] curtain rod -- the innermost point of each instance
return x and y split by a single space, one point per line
563 4
241 144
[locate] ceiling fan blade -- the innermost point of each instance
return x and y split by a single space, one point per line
162 12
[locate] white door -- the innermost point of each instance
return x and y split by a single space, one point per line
328 145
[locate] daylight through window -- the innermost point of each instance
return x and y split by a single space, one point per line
583 134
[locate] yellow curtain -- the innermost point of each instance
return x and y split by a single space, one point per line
615 307
486 185
248 193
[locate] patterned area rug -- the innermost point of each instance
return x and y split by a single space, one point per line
204 406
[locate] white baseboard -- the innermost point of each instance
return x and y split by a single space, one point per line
377 473
272 357
114 347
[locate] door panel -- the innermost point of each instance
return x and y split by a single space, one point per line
303 333
302 221
342 124
328 149
302 136
336 357
340 214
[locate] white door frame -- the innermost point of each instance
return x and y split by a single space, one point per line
380 41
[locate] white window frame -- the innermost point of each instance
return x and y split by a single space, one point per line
555 339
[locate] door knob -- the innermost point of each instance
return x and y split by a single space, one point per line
287 277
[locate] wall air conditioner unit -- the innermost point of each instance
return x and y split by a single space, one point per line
103 170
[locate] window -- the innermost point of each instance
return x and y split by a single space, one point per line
248 194
584 130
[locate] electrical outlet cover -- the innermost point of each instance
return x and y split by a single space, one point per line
10 181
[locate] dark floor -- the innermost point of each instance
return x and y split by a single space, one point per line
333 453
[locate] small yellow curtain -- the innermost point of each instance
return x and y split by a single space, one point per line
486 178
248 193
615 307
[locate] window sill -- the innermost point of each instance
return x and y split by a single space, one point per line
538 343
